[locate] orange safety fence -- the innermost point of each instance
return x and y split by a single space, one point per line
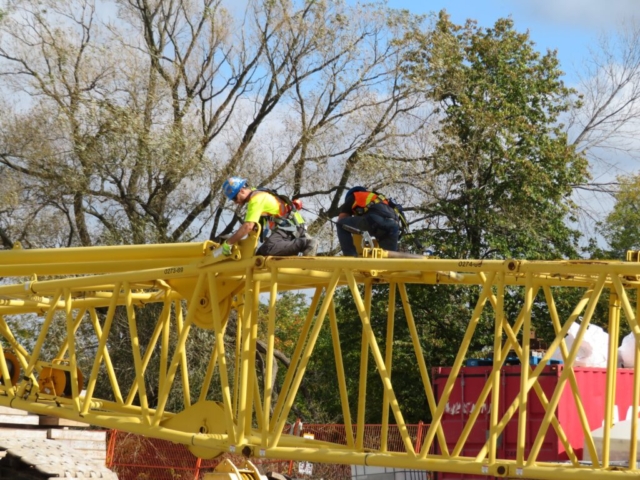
136 457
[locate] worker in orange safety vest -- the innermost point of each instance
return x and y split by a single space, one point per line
367 211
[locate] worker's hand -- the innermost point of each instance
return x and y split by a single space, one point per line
226 249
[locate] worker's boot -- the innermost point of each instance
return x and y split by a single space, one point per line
311 248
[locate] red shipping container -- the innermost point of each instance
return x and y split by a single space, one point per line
470 382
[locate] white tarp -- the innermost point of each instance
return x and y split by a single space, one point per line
592 352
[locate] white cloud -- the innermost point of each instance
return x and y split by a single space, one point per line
590 14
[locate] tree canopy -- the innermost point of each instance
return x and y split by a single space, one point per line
621 228
125 128
504 167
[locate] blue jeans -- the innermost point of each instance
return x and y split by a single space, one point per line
385 230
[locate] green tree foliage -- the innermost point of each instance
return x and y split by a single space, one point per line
291 313
621 228
437 349
504 165
504 173
505 170
324 386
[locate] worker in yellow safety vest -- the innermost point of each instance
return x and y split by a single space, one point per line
283 228
367 211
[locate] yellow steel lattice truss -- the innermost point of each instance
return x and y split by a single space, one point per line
193 287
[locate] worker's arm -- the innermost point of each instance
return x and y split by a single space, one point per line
243 231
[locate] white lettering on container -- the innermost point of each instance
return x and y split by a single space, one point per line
465 408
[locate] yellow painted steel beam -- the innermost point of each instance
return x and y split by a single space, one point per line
68 294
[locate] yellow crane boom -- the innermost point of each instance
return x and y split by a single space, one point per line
195 287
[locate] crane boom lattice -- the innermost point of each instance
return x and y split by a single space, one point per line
182 289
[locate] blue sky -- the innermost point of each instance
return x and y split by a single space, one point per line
569 26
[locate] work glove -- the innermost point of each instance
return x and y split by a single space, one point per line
226 249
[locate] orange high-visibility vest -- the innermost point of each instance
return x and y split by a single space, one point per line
363 200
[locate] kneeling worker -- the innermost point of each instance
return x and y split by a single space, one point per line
367 211
283 231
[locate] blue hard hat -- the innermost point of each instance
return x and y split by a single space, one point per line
232 186
356 189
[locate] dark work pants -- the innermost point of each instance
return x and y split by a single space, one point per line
282 244
386 230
